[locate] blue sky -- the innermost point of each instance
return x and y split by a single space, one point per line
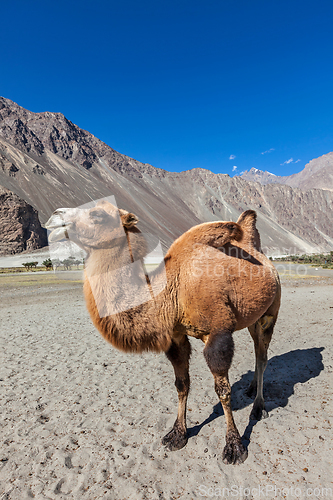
180 84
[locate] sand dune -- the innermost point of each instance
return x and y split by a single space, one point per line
80 420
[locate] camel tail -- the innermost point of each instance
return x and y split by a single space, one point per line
247 221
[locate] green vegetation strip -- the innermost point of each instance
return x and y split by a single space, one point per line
318 260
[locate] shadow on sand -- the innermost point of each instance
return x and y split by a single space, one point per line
282 374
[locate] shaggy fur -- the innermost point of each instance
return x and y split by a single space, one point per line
218 281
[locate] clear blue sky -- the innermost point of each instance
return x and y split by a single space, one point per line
180 84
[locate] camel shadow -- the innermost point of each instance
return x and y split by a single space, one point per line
239 253
282 374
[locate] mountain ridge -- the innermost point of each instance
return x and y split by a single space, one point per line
50 162
317 174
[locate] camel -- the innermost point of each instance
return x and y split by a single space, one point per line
218 281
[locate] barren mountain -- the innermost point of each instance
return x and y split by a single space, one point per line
317 174
50 162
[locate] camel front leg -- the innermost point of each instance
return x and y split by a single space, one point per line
179 355
218 353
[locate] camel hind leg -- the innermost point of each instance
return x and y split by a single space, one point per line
179 355
261 333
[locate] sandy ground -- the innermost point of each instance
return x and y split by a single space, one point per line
80 420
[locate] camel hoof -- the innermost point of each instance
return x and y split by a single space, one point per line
234 452
258 413
175 440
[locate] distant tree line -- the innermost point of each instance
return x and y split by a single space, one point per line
49 264
67 264
320 259
29 265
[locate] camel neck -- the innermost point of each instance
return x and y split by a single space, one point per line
103 260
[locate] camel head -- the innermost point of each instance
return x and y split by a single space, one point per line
97 227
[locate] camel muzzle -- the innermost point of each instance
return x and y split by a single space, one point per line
59 224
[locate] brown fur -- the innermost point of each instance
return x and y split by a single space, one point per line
218 281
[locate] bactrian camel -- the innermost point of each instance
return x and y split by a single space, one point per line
218 282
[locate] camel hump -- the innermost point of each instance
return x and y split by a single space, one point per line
234 230
215 234
247 221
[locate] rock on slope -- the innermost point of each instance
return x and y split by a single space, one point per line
50 162
19 225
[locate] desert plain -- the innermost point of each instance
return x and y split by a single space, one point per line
80 420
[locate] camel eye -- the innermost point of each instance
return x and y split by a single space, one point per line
98 216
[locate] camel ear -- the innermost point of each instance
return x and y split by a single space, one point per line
127 219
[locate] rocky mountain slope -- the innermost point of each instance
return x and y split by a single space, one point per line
317 174
19 225
50 162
